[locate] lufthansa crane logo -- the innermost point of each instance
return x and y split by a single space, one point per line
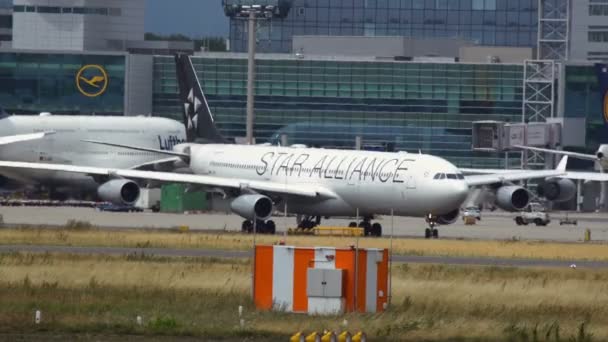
92 80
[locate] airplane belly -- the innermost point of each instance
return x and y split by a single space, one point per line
328 207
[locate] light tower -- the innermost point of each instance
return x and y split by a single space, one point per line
252 11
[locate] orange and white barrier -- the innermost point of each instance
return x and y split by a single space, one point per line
280 278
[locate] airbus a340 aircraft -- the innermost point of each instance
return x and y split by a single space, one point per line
311 182
29 139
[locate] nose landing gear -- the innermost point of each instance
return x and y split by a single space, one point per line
431 232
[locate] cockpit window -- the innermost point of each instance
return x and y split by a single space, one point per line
451 176
437 176
460 176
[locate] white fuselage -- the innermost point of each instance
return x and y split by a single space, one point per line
367 182
66 146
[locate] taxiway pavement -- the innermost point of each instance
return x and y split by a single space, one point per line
215 253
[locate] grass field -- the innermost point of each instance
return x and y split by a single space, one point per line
199 298
77 236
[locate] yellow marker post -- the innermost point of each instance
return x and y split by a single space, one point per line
345 336
298 337
313 337
360 337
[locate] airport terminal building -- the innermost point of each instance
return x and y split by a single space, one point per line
407 105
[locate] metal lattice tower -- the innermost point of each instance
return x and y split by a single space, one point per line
538 103
553 29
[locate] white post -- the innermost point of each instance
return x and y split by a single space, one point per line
253 265
38 317
356 267
390 259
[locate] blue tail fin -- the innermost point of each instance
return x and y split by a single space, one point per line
602 77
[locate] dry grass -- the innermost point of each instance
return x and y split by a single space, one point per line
200 297
168 239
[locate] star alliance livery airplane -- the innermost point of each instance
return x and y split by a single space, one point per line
309 182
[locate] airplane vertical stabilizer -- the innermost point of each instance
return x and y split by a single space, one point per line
197 116
602 76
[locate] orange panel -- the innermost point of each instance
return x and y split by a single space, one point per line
302 260
382 284
262 290
362 274
345 260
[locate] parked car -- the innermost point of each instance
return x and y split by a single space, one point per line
473 212
535 213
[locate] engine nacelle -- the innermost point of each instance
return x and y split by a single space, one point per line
558 190
119 191
448 218
252 206
512 198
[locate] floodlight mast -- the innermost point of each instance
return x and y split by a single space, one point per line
252 13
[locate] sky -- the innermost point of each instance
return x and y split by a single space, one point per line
194 18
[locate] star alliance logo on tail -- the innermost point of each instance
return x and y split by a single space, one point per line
193 103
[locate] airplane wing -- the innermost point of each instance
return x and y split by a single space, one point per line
466 171
588 176
516 175
138 148
564 153
10 139
166 163
212 181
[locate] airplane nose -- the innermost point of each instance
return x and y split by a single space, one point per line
462 189
459 192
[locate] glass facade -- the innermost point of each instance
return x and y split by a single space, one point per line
583 100
34 82
6 20
487 22
411 106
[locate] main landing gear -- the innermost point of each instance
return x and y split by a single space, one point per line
261 227
431 232
308 222
369 229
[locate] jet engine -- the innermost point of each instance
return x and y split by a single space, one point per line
119 191
448 218
557 189
512 198
252 206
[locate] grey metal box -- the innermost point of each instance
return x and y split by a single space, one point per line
324 283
